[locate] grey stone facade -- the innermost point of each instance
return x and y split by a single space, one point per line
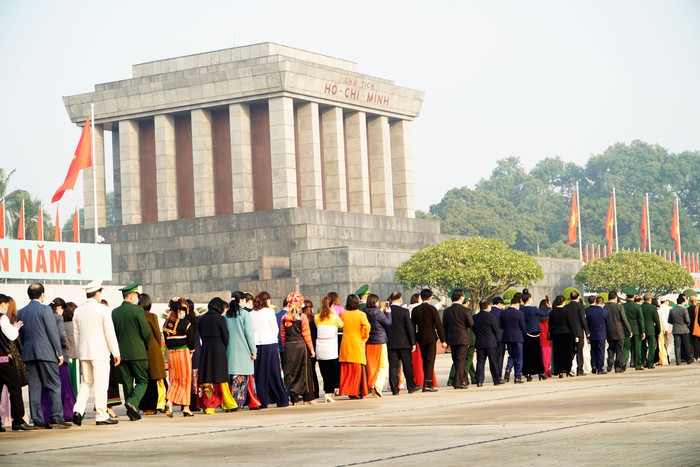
279 250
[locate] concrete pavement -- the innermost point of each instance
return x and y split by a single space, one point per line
650 417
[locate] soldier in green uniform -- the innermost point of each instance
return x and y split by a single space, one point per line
363 293
652 328
636 320
133 336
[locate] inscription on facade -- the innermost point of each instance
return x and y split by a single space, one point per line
356 89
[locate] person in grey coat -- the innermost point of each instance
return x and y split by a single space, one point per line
678 317
42 354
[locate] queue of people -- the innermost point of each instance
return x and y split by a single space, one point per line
242 353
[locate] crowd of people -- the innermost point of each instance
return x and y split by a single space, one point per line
245 353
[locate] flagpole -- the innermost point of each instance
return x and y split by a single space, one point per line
24 222
94 167
678 223
648 223
578 210
617 241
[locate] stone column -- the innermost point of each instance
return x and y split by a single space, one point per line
402 169
308 130
282 153
202 164
358 170
241 158
166 172
380 166
98 167
334 159
116 176
129 171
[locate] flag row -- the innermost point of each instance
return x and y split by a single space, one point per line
21 224
690 261
611 235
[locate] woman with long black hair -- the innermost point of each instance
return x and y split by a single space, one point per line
268 379
241 353
561 337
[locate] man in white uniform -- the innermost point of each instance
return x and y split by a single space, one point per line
96 340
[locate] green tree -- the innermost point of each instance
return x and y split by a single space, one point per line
646 272
484 267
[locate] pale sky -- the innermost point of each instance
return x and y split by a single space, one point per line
502 78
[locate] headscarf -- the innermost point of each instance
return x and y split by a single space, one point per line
295 302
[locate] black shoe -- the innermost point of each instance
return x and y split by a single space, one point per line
619 370
609 368
478 385
109 421
518 381
561 375
594 371
528 378
77 419
60 424
413 389
640 368
506 377
580 373
542 377
2 429
23 427
602 372
42 426
188 414
132 412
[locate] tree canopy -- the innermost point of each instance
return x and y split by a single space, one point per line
646 272
541 199
483 267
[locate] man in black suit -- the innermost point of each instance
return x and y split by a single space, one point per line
457 320
401 341
513 325
486 330
42 354
578 313
496 310
618 328
680 320
426 319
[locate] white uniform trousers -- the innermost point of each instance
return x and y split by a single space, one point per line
95 374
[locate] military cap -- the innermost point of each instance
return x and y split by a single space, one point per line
363 290
129 288
93 286
465 299
630 291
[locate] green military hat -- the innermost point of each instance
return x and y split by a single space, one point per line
129 288
630 291
465 299
363 290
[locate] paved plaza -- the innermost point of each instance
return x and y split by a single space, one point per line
650 417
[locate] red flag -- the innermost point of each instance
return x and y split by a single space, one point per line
573 220
40 224
20 226
610 224
81 160
676 230
76 226
585 254
2 219
643 228
57 231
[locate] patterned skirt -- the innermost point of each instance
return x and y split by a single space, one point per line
180 376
